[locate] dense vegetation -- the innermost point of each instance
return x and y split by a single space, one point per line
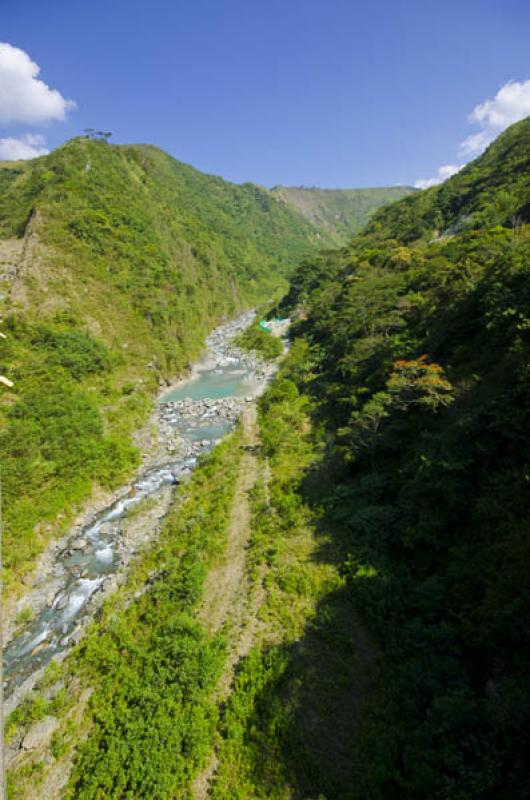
492 190
151 666
54 440
128 259
390 533
418 371
261 342
291 725
338 213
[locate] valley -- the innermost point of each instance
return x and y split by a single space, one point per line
118 261
338 214
261 572
89 563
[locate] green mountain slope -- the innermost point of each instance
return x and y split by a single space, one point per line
338 213
115 263
412 356
492 190
389 550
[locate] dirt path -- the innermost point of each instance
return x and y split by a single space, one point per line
225 581
230 599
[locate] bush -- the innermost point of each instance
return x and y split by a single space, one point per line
259 341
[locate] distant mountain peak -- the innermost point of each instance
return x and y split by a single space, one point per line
338 214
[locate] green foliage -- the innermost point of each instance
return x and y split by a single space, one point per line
53 440
252 762
33 708
264 344
338 213
74 350
400 422
411 382
492 190
419 373
249 746
290 725
152 666
131 257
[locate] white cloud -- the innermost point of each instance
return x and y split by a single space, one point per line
23 97
29 146
443 173
510 104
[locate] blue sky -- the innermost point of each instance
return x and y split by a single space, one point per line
334 93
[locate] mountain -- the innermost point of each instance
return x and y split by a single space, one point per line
492 190
338 213
409 368
115 262
341 611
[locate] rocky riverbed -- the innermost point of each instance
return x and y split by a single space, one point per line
76 573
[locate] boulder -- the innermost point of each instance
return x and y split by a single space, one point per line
79 544
40 733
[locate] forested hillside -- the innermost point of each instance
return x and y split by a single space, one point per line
337 604
116 261
338 213
416 341
492 190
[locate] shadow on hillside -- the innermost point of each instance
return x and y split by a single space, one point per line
313 710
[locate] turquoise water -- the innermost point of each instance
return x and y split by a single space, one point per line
213 385
212 432
86 568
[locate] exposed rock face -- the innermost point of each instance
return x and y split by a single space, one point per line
40 733
10 257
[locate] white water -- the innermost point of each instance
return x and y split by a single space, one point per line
92 556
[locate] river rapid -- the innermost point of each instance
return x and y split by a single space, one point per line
190 419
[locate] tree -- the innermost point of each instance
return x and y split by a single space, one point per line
417 382
98 136
411 383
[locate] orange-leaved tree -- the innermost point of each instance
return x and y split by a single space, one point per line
416 382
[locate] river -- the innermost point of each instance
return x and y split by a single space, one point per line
191 419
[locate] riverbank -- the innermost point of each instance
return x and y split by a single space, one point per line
193 676
154 611
76 573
